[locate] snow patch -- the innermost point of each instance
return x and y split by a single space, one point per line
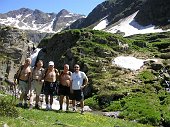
129 26
130 62
101 25
15 22
18 16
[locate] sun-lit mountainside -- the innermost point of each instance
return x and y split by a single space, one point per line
129 75
28 19
128 17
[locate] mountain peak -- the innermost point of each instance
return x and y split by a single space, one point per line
63 12
25 18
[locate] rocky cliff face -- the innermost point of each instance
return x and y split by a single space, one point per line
154 12
14 46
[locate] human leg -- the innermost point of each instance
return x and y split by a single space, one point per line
51 101
32 94
82 105
74 105
67 102
23 87
38 87
61 101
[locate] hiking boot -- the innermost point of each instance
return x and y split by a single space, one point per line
37 106
67 108
25 105
74 110
82 112
31 106
47 107
50 107
19 105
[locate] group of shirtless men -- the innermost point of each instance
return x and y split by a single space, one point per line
31 80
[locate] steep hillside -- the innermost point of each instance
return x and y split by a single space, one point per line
113 10
128 17
154 12
113 88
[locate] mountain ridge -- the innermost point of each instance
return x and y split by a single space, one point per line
25 18
110 13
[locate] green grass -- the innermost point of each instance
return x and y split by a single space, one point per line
40 118
43 118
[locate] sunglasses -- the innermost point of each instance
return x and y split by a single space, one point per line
76 67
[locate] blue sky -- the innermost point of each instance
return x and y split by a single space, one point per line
48 6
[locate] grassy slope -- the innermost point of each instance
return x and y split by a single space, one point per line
117 89
40 118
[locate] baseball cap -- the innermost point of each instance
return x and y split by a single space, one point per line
51 63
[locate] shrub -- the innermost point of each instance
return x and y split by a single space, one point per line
92 102
146 76
144 108
165 109
114 106
7 108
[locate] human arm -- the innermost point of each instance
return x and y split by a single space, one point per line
85 81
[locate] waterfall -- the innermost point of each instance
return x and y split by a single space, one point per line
34 55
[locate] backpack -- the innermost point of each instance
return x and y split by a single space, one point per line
17 75
45 74
69 73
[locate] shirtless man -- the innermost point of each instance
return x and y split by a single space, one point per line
37 82
64 87
23 75
51 75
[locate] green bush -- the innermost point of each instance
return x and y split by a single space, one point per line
144 108
165 109
146 76
114 106
7 108
92 102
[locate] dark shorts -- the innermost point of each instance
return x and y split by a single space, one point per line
64 90
50 88
77 95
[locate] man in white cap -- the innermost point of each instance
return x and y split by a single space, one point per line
50 77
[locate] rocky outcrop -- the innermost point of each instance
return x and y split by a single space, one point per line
13 49
154 12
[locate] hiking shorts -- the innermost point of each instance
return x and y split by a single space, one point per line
64 90
36 87
50 88
77 95
23 86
